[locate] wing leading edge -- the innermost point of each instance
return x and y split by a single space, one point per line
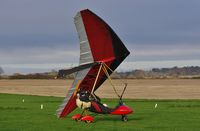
64 72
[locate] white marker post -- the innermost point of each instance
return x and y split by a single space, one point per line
156 105
41 106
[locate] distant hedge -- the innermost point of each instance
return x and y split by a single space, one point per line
32 76
192 72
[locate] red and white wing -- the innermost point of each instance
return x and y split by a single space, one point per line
98 43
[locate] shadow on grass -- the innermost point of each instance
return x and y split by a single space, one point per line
185 106
116 118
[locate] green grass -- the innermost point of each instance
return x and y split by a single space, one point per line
169 115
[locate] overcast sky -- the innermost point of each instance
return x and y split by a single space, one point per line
39 35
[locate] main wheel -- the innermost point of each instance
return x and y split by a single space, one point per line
77 120
124 118
88 121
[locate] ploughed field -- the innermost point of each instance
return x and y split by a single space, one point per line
136 89
24 113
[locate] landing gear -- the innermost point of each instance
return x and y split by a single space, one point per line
124 118
88 121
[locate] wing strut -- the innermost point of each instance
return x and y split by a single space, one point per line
92 92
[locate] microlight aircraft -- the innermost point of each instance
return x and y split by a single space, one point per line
101 52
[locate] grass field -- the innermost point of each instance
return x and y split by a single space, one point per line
16 115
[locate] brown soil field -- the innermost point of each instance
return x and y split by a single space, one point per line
136 89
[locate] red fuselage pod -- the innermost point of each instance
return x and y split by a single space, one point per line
122 110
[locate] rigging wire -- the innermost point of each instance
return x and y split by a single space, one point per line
122 81
106 72
105 68
125 83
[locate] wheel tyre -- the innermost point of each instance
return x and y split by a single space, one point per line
124 118
88 121
77 120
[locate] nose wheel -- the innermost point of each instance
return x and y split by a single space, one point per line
124 118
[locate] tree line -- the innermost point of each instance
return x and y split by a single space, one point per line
192 72
174 72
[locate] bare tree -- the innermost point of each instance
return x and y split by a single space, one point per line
1 70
